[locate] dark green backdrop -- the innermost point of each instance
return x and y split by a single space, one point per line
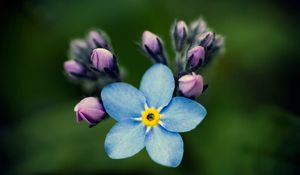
252 126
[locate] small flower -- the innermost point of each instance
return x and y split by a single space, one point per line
90 110
102 59
73 67
180 31
97 40
149 117
153 46
195 57
191 85
206 39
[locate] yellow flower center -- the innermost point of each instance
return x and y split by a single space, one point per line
150 117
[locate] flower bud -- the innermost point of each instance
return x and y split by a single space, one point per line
206 39
195 58
90 110
96 40
199 26
180 31
102 59
219 41
73 67
150 42
153 46
191 85
79 49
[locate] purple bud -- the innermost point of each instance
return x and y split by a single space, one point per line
206 39
199 26
195 57
191 85
153 46
78 49
102 58
96 40
180 31
151 41
90 110
71 66
219 41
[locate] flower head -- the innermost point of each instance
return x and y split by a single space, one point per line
149 117
191 85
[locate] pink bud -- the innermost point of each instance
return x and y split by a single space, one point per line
96 40
206 39
181 29
90 110
180 33
102 59
198 26
194 56
71 66
191 85
151 41
77 48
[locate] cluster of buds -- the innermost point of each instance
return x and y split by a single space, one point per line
92 64
195 46
91 58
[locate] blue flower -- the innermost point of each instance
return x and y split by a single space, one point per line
149 117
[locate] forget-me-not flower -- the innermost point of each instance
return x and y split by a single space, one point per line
149 117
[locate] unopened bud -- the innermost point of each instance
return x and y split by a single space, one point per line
180 31
97 40
73 67
199 26
195 58
90 110
191 85
79 49
102 59
206 39
219 41
153 46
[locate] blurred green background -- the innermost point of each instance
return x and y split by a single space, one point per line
253 123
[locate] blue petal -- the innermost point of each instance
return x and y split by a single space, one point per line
158 85
122 101
164 147
125 139
182 114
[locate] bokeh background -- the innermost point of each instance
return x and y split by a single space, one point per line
252 126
